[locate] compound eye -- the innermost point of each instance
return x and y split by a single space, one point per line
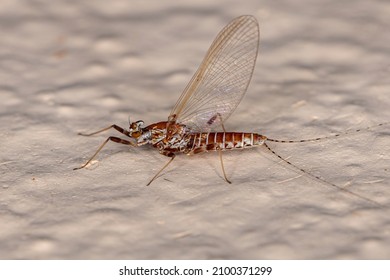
139 124
133 126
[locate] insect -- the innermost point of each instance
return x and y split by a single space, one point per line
211 96
209 99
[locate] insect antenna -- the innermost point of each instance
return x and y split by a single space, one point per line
317 178
329 137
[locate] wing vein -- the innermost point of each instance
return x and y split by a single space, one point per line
222 78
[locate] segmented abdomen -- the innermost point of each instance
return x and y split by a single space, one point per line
213 141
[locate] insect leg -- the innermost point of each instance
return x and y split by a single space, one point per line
214 147
223 168
218 115
111 138
118 128
213 118
210 122
165 153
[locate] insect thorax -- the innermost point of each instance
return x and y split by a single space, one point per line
166 136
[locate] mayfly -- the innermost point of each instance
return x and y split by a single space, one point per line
210 97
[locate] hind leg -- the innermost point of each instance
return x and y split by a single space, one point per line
213 147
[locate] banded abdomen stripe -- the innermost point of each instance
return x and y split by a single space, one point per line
225 140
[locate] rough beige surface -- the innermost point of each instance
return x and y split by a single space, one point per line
68 67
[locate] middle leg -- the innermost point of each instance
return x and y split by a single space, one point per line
165 153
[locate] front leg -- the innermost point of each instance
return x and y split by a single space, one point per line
116 127
111 138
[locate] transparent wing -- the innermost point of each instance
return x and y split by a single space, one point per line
222 79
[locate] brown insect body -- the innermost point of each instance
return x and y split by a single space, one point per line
181 140
211 96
